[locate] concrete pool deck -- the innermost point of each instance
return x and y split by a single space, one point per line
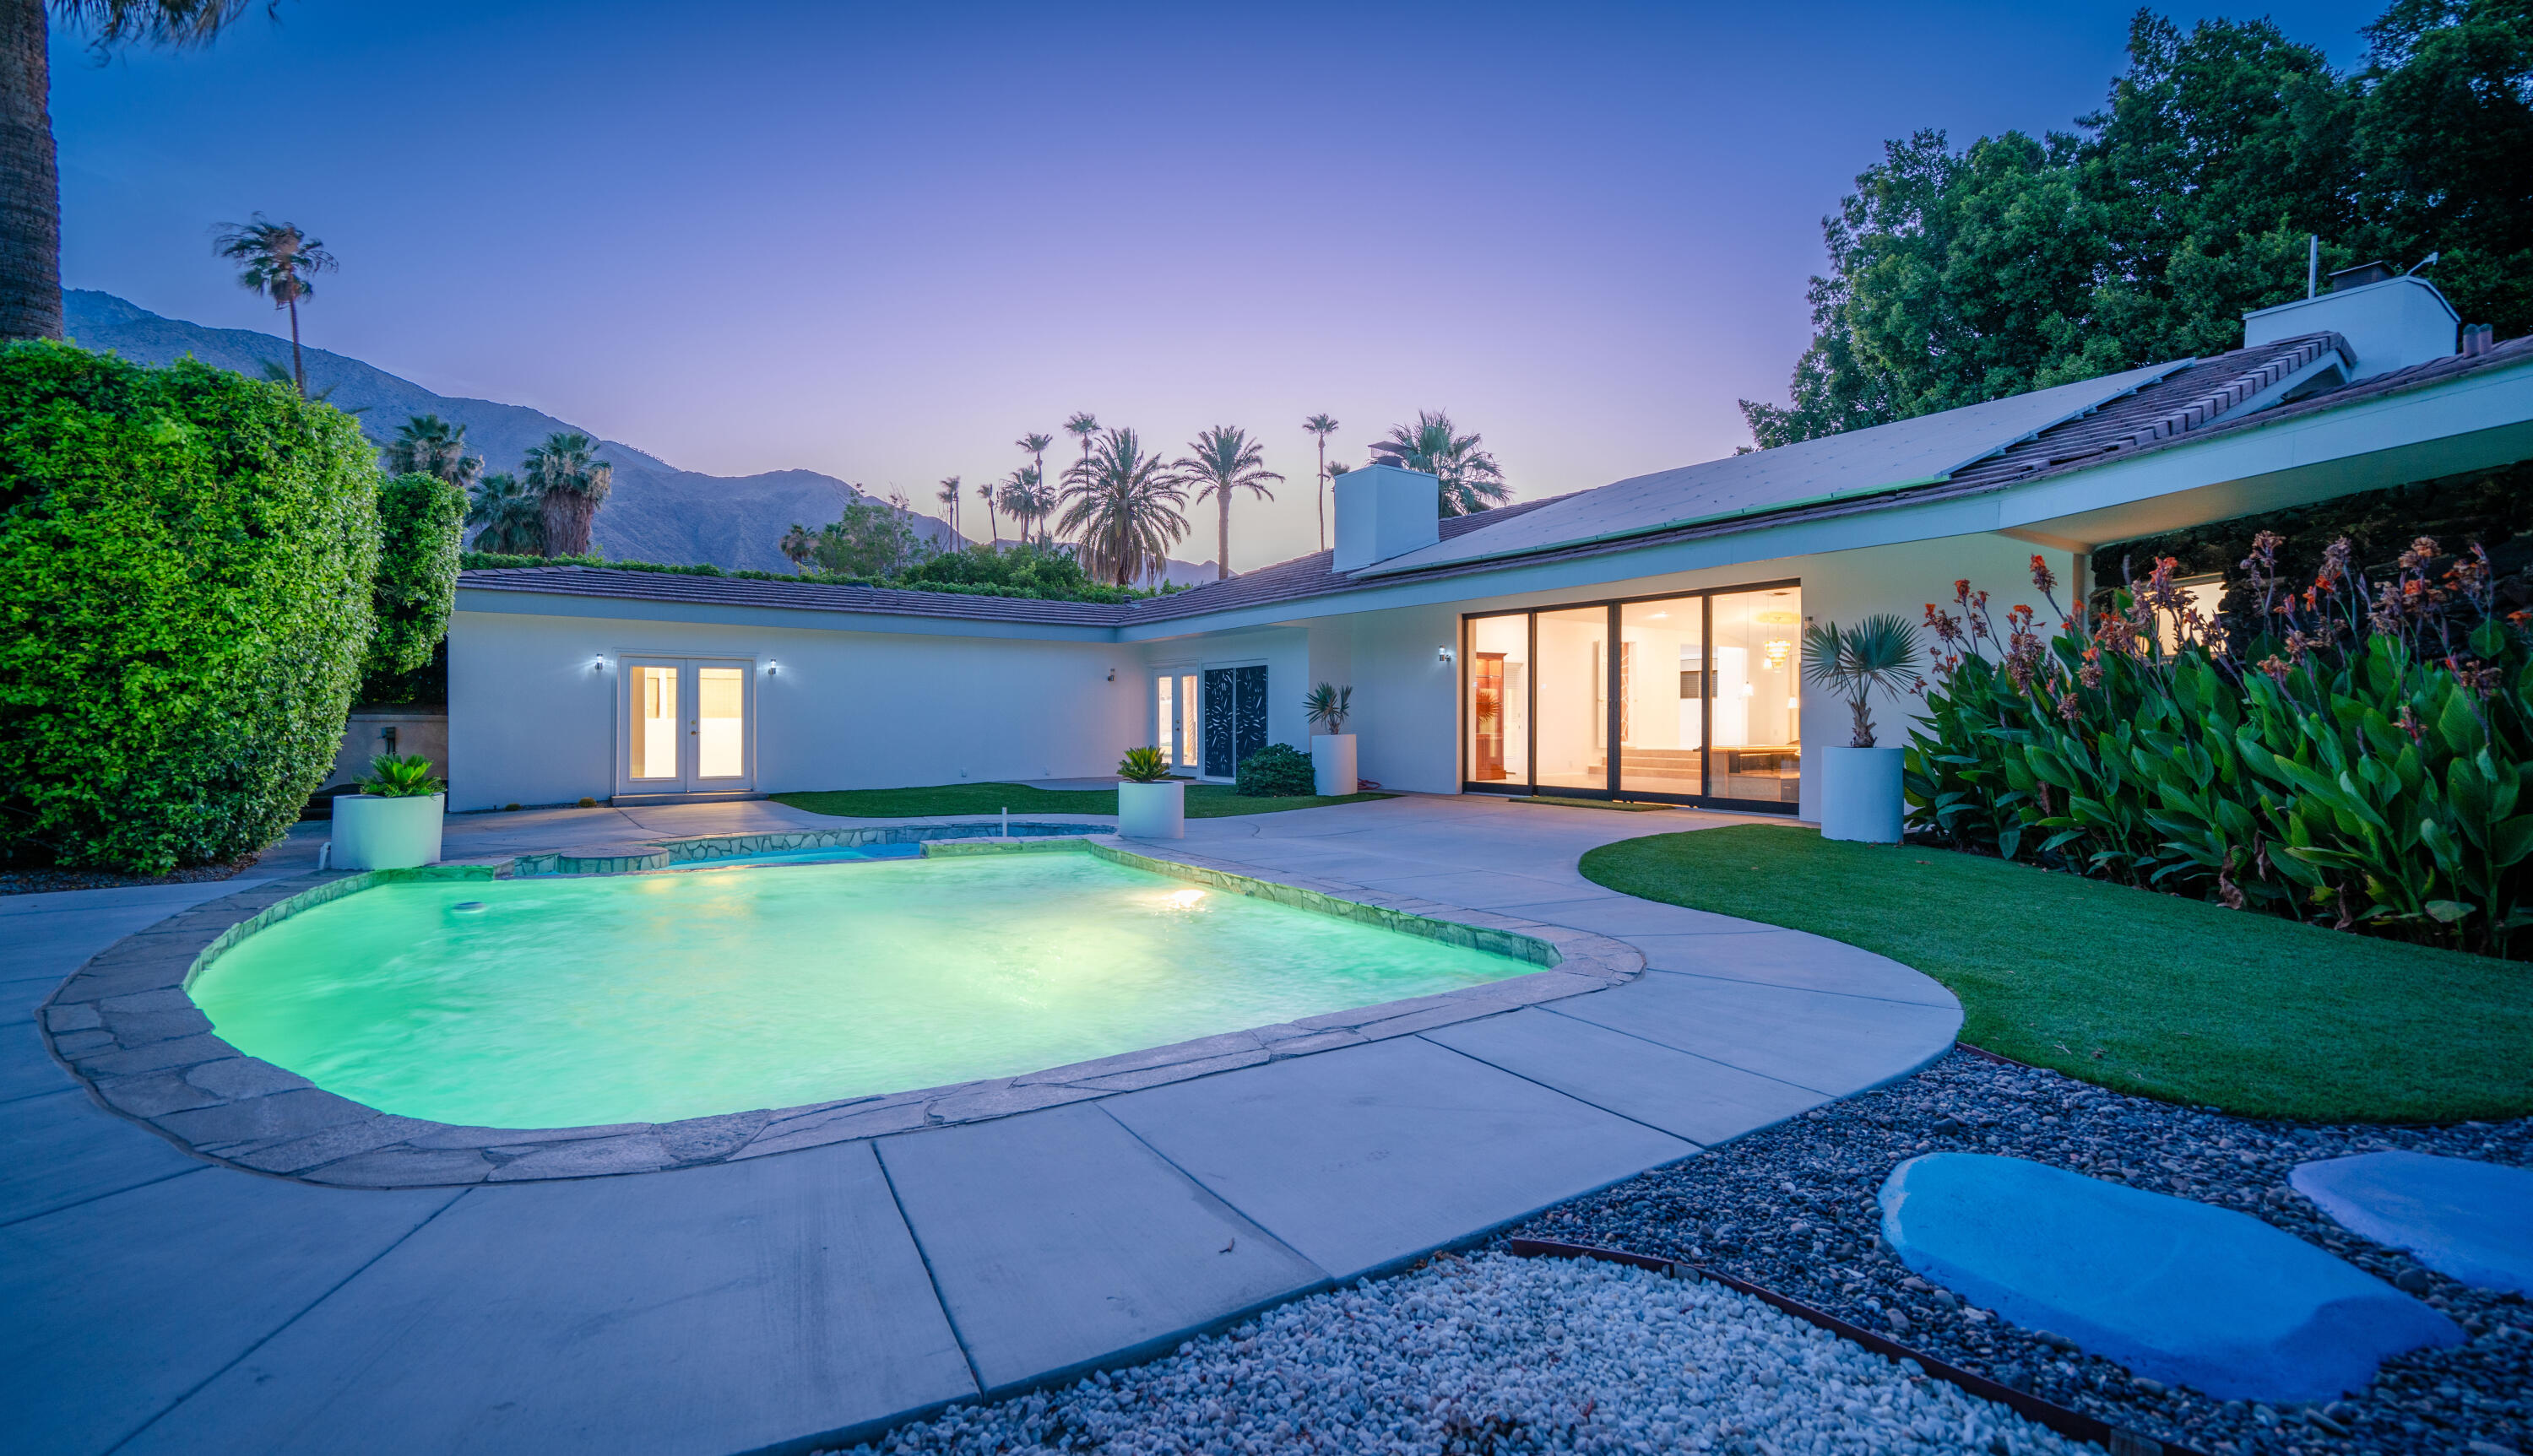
164 1302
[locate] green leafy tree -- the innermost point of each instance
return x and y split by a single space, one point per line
278 262
1122 504
1225 461
31 206
2017 263
507 517
570 485
872 539
186 575
421 518
428 444
1470 481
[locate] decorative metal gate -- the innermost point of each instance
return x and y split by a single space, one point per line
1235 718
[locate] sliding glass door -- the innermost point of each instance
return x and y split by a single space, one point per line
1699 695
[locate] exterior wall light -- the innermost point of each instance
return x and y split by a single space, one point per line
772 666
1442 654
598 662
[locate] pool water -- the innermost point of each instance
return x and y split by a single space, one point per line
649 998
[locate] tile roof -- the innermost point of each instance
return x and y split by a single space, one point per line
2172 403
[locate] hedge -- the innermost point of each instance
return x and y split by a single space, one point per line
186 559
420 520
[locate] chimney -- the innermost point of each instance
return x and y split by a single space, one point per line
2389 320
1384 512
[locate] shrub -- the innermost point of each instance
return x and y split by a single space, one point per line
420 520
408 776
185 574
2358 764
1277 771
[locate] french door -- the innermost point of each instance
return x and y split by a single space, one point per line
687 726
1174 724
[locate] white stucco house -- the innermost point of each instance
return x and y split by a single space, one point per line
1641 640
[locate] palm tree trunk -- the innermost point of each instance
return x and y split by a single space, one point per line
1222 538
1323 493
30 193
298 365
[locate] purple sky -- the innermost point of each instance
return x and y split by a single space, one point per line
884 242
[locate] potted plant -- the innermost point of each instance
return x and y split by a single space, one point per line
1860 784
1333 750
1151 804
393 822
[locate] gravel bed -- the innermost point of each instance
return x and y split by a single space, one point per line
44 879
1495 1355
1792 1210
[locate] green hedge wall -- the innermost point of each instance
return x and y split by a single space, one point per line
186 559
420 520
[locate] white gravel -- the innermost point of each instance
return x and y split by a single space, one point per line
1493 1354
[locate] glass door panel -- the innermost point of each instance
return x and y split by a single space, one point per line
1662 674
1187 720
1571 710
720 724
1499 651
1757 708
654 720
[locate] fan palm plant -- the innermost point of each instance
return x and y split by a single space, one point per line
30 225
1470 481
427 444
1123 503
1877 652
1323 425
1226 460
569 487
276 261
507 516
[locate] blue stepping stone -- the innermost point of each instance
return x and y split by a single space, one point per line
2177 1291
2467 1220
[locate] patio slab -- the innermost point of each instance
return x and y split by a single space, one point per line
1365 1157
1108 1254
722 1310
1788 958
1687 1096
1845 1045
64 1150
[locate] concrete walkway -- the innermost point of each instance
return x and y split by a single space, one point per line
158 1303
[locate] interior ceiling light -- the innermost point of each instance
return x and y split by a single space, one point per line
1779 649
1776 619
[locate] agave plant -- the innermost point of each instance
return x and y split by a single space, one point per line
1144 766
409 776
1879 653
1328 705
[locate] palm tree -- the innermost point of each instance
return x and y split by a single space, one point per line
1226 460
427 444
1124 503
1027 498
1035 444
511 519
276 373
1470 481
569 487
950 498
1082 426
1323 425
276 261
1013 492
799 544
30 204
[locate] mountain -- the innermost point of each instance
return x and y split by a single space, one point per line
656 512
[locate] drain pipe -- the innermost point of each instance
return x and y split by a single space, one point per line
1007 821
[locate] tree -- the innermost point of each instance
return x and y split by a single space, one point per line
1469 480
1323 425
421 516
950 497
31 200
2188 200
1032 501
427 444
1083 427
1123 504
1035 444
569 487
1226 460
278 262
872 539
275 372
508 516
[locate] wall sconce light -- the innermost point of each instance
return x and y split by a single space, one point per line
1112 674
772 666
1442 654
598 662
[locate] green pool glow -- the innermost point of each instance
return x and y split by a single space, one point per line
649 998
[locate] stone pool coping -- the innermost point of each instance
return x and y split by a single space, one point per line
125 1026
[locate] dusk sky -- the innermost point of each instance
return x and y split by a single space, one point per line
885 241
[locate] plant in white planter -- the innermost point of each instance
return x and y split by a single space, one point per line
393 822
1332 761
1151 804
1860 784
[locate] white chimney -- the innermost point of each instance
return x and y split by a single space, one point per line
1384 512
2389 320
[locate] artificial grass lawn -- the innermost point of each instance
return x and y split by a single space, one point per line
2148 993
1204 802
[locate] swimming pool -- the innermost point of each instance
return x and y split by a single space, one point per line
655 997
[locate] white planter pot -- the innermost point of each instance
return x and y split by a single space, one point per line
1333 763
1153 811
1861 794
373 833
